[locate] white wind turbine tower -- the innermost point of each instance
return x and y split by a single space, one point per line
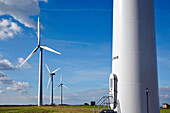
51 78
134 80
40 91
61 93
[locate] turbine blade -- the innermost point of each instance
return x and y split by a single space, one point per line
61 79
57 86
38 33
29 56
49 81
65 86
49 49
55 70
47 68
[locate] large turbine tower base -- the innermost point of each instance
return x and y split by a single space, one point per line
134 56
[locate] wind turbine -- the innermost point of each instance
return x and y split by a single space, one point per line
62 85
40 89
51 78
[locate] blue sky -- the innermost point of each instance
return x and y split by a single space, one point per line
82 32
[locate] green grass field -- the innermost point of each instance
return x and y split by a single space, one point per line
165 110
53 109
47 109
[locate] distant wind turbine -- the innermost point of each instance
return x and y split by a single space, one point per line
51 78
61 85
40 92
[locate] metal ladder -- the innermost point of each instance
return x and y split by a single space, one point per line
104 102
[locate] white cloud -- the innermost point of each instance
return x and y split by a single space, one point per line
8 28
43 0
6 64
26 64
2 91
21 87
21 10
164 94
4 79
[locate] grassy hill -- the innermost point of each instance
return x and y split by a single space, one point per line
165 110
53 109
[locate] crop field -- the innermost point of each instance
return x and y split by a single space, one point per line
53 109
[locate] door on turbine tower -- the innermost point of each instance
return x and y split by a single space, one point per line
113 90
